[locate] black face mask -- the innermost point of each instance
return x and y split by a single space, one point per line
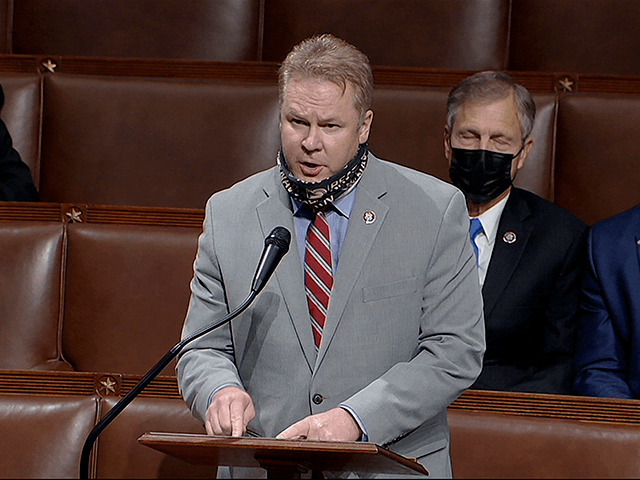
482 175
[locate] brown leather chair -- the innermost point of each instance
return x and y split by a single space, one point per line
42 436
30 291
166 143
408 128
121 456
5 22
136 133
460 34
189 29
597 167
492 445
126 295
22 115
589 36
537 175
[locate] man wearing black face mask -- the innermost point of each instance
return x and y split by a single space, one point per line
529 250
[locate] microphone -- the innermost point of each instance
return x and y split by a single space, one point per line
275 247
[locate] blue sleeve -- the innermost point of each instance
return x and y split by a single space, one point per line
600 359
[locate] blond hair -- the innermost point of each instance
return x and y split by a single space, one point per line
326 57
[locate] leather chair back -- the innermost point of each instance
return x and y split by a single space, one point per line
460 34
493 445
5 22
121 456
226 30
589 36
126 295
598 155
30 293
42 436
164 143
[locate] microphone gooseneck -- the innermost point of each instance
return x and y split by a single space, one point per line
276 246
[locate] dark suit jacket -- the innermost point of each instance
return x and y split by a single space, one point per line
16 183
608 345
531 297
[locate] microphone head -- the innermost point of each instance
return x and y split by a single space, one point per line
276 245
279 237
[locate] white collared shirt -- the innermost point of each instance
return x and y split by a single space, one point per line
486 239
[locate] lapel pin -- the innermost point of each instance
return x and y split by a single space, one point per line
509 237
369 217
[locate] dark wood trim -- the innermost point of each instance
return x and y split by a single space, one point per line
31 382
28 211
10 63
622 84
151 216
267 72
586 409
101 214
260 72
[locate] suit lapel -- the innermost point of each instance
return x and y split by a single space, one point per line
276 210
358 242
506 256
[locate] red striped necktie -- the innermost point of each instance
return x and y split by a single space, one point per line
318 273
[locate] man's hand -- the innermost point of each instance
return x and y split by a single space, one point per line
230 411
336 424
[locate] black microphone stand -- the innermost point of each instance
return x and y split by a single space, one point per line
150 375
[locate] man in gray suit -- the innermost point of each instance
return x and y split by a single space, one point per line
372 324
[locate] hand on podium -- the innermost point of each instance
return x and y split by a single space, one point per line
335 425
230 411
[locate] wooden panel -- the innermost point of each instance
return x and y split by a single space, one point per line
101 214
591 409
261 72
29 382
588 409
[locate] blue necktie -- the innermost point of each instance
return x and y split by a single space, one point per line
475 227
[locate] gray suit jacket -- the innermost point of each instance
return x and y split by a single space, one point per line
404 334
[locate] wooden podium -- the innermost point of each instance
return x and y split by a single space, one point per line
282 458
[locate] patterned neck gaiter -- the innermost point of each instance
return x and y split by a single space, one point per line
320 194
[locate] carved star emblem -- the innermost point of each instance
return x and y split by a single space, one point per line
49 65
74 215
107 386
566 83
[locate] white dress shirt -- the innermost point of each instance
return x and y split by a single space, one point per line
486 239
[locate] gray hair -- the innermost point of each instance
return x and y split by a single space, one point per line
327 57
488 87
